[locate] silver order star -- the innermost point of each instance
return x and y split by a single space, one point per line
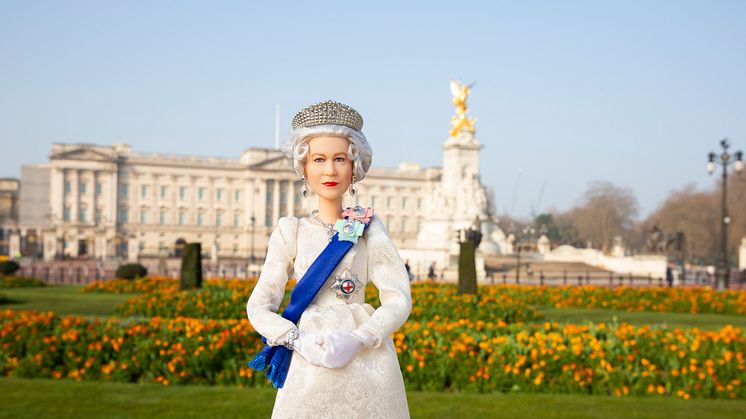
346 285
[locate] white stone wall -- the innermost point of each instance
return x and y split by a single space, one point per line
654 265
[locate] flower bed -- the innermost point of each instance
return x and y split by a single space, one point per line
678 300
464 355
227 300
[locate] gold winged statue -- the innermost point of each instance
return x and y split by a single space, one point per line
459 121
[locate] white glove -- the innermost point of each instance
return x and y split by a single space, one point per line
341 348
308 345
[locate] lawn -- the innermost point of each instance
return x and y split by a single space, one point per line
704 321
22 398
63 300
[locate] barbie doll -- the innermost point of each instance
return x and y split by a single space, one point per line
329 353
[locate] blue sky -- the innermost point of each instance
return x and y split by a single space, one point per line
567 92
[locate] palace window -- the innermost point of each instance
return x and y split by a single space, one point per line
219 218
164 192
98 188
200 218
201 193
182 217
82 186
219 195
67 186
163 216
123 215
66 214
182 192
237 195
143 216
144 191
124 190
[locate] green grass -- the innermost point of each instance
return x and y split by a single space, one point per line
703 321
22 398
63 300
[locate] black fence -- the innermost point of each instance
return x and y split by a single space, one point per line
84 272
610 279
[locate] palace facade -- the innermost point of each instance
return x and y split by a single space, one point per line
110 202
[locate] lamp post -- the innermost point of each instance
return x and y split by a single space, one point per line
527 231
722 275
253 227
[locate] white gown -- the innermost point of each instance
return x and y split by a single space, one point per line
371 385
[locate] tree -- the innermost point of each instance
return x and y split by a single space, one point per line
606 211
694 213
546 222
736 205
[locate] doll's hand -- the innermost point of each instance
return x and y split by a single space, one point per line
308 345
341 348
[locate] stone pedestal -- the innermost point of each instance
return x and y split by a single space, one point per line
457 202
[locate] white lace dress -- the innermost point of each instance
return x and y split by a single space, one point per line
371 386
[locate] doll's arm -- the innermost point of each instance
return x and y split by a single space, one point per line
386 270
266 298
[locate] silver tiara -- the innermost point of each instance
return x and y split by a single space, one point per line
328 112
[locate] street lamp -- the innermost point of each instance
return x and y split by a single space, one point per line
253 226
528 231
722 276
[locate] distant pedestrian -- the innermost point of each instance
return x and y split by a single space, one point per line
409 270
669 276
431 272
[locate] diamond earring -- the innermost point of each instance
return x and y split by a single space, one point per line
353 189
304 188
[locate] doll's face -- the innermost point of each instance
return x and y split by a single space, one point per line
328 166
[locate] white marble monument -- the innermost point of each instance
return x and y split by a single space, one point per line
457 201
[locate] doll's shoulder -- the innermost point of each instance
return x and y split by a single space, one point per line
288 228
376 231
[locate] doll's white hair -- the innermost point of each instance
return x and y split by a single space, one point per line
360 153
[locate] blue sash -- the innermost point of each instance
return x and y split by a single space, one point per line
276 359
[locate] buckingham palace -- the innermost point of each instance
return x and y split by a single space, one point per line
112 202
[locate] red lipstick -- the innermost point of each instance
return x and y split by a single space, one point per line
330 184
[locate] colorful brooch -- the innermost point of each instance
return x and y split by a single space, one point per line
359 213
346 285
349 230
